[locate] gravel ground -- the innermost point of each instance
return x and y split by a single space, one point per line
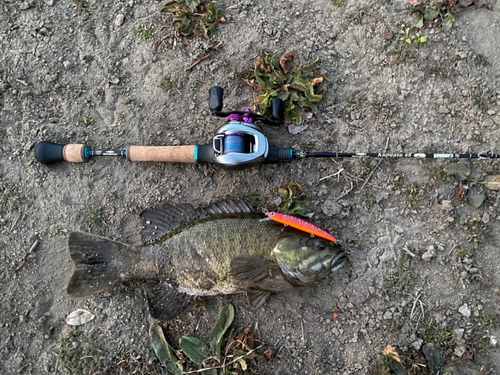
70 74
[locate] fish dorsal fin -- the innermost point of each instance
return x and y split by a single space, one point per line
159 221
257 299
229 207
166 219
165 301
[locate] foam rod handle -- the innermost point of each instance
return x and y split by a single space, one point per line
171 154
50 153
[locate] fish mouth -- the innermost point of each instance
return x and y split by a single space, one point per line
297 277
337 263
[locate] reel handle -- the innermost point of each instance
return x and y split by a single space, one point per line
215 102
277 110
50 153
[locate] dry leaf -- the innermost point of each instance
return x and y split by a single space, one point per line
294 129
261 66
391 352
286 58
492 182
254 85
336 314
461 193
317 80
79 317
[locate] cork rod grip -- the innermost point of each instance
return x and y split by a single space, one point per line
172 154
74 153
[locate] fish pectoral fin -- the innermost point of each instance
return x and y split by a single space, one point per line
252 268
258 298
165 301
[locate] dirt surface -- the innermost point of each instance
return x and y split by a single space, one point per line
70 75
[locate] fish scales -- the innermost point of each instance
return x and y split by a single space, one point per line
201 255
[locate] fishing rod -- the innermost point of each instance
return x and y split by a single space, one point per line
238 144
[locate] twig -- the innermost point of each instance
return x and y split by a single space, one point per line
348 191
453 248
407 251
465 114
374 169
203 58
57 366
332 175
302 325
225 365
390 34
15 222
197 62
25 258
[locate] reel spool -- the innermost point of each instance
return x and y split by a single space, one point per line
239 144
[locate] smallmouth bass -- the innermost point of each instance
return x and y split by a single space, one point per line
190 252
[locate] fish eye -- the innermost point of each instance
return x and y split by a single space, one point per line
321 246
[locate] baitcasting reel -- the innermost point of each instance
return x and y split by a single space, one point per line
238 144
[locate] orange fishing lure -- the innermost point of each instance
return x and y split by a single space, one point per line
300 224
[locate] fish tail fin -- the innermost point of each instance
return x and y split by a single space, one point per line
98 263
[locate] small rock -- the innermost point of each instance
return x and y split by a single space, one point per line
25 5
429 254
388 315
459 350
464 310
417 344
442 109
493 340
446 205
119 19
48 2
114 80
331 207
486 218
66 64
491 112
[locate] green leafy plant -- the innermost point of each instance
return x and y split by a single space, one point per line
292 200
442 12
77 353
338 3
416 38
146 31
400 281
405 47
439 336
412 197
428 11
167 83
481 60
462 253
197 356
475 229
88 121
193 17
272 78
